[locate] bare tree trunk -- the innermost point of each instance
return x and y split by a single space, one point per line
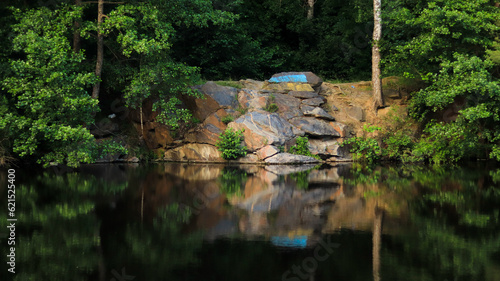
378 99
310 9
76 32
377 242
100 49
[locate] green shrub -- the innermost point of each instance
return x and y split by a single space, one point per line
230 144
398 134
301 147
398 145
445 142
365 148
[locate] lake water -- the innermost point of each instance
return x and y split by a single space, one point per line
215 222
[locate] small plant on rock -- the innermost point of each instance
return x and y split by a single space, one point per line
230 144
242 110
227 119
302 147
272 106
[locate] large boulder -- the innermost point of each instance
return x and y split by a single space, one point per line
214 98
341 128
314 101
225 96
201 107
209 131
262 128
288 158
267 151
314 127
288 106
356 113
195 152
162 136
316 112
251 99
324 147
297 77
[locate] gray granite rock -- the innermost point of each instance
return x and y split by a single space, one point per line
288 158
314 127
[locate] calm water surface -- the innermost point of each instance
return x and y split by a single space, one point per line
216 222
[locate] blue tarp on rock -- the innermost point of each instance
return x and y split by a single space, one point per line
297 77
294 78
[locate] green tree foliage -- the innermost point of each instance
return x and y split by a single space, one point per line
366 147
422 34
140 36
445 43
476 129
271 36
48 108
49 105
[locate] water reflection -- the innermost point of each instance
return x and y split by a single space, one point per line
217 222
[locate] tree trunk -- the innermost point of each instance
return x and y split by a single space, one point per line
378 99
377 242
310 9
100 49
76 33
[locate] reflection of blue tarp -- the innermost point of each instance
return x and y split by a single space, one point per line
295 242
289 78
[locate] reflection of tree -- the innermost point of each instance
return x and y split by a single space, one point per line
456 227
232 179
301 179
377 243
153 251
57 230
454 220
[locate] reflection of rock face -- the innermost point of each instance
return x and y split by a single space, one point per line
263 200
195 152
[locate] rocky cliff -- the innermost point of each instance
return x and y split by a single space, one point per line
271 114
